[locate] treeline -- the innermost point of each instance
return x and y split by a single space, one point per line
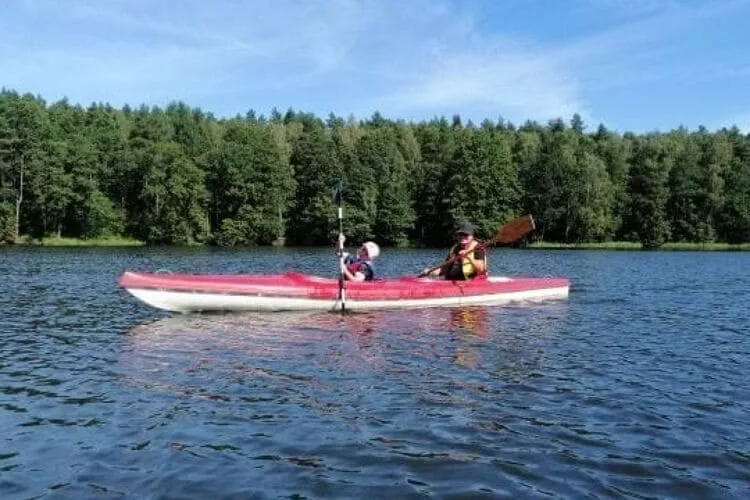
179 176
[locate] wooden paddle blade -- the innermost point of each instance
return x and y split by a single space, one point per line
515 229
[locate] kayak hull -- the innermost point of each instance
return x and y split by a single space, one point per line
299 292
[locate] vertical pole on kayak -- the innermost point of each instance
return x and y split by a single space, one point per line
337 199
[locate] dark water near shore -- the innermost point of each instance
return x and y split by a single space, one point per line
637 386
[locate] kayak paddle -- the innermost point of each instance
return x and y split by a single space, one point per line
508 233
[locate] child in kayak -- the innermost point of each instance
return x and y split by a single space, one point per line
358 267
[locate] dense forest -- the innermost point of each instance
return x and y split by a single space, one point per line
181 176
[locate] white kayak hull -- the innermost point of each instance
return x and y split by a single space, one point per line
196 301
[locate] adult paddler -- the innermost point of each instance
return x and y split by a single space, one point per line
466 259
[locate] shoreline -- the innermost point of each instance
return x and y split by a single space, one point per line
539 245
114 241
634 246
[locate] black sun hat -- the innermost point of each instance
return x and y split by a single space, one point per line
464 227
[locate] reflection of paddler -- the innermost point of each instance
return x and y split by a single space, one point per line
466 356
474 319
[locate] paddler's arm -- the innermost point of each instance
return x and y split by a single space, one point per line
449 261
346 255
350 275
477 264
341 241
440 271
443 270
347 274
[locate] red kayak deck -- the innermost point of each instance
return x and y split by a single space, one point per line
313 287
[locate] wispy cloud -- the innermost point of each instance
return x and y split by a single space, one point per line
138 47
449 65
514 83
529 78
409 59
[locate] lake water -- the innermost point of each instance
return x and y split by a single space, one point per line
636 386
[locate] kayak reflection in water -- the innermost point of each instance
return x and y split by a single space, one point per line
359 267
465 261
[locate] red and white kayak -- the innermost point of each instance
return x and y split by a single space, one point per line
301 292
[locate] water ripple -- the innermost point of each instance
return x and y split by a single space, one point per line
633 388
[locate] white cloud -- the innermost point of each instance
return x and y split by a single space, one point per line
522 79
516 84
402 58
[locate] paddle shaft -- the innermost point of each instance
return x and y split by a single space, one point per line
342 277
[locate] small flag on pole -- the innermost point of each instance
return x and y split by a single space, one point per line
337 194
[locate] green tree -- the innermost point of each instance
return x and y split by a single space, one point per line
648 192
360 188
179 175
250 181
481 182
589 217
108 129
7 221
90 213
378 151
22 119
316 170
49 189
172 197
437 145
548 182
716 162
527 157
734 220
683 204
615 152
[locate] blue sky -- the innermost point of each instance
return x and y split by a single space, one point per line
637 65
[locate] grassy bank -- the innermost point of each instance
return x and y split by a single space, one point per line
114 241
629 245
541 245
